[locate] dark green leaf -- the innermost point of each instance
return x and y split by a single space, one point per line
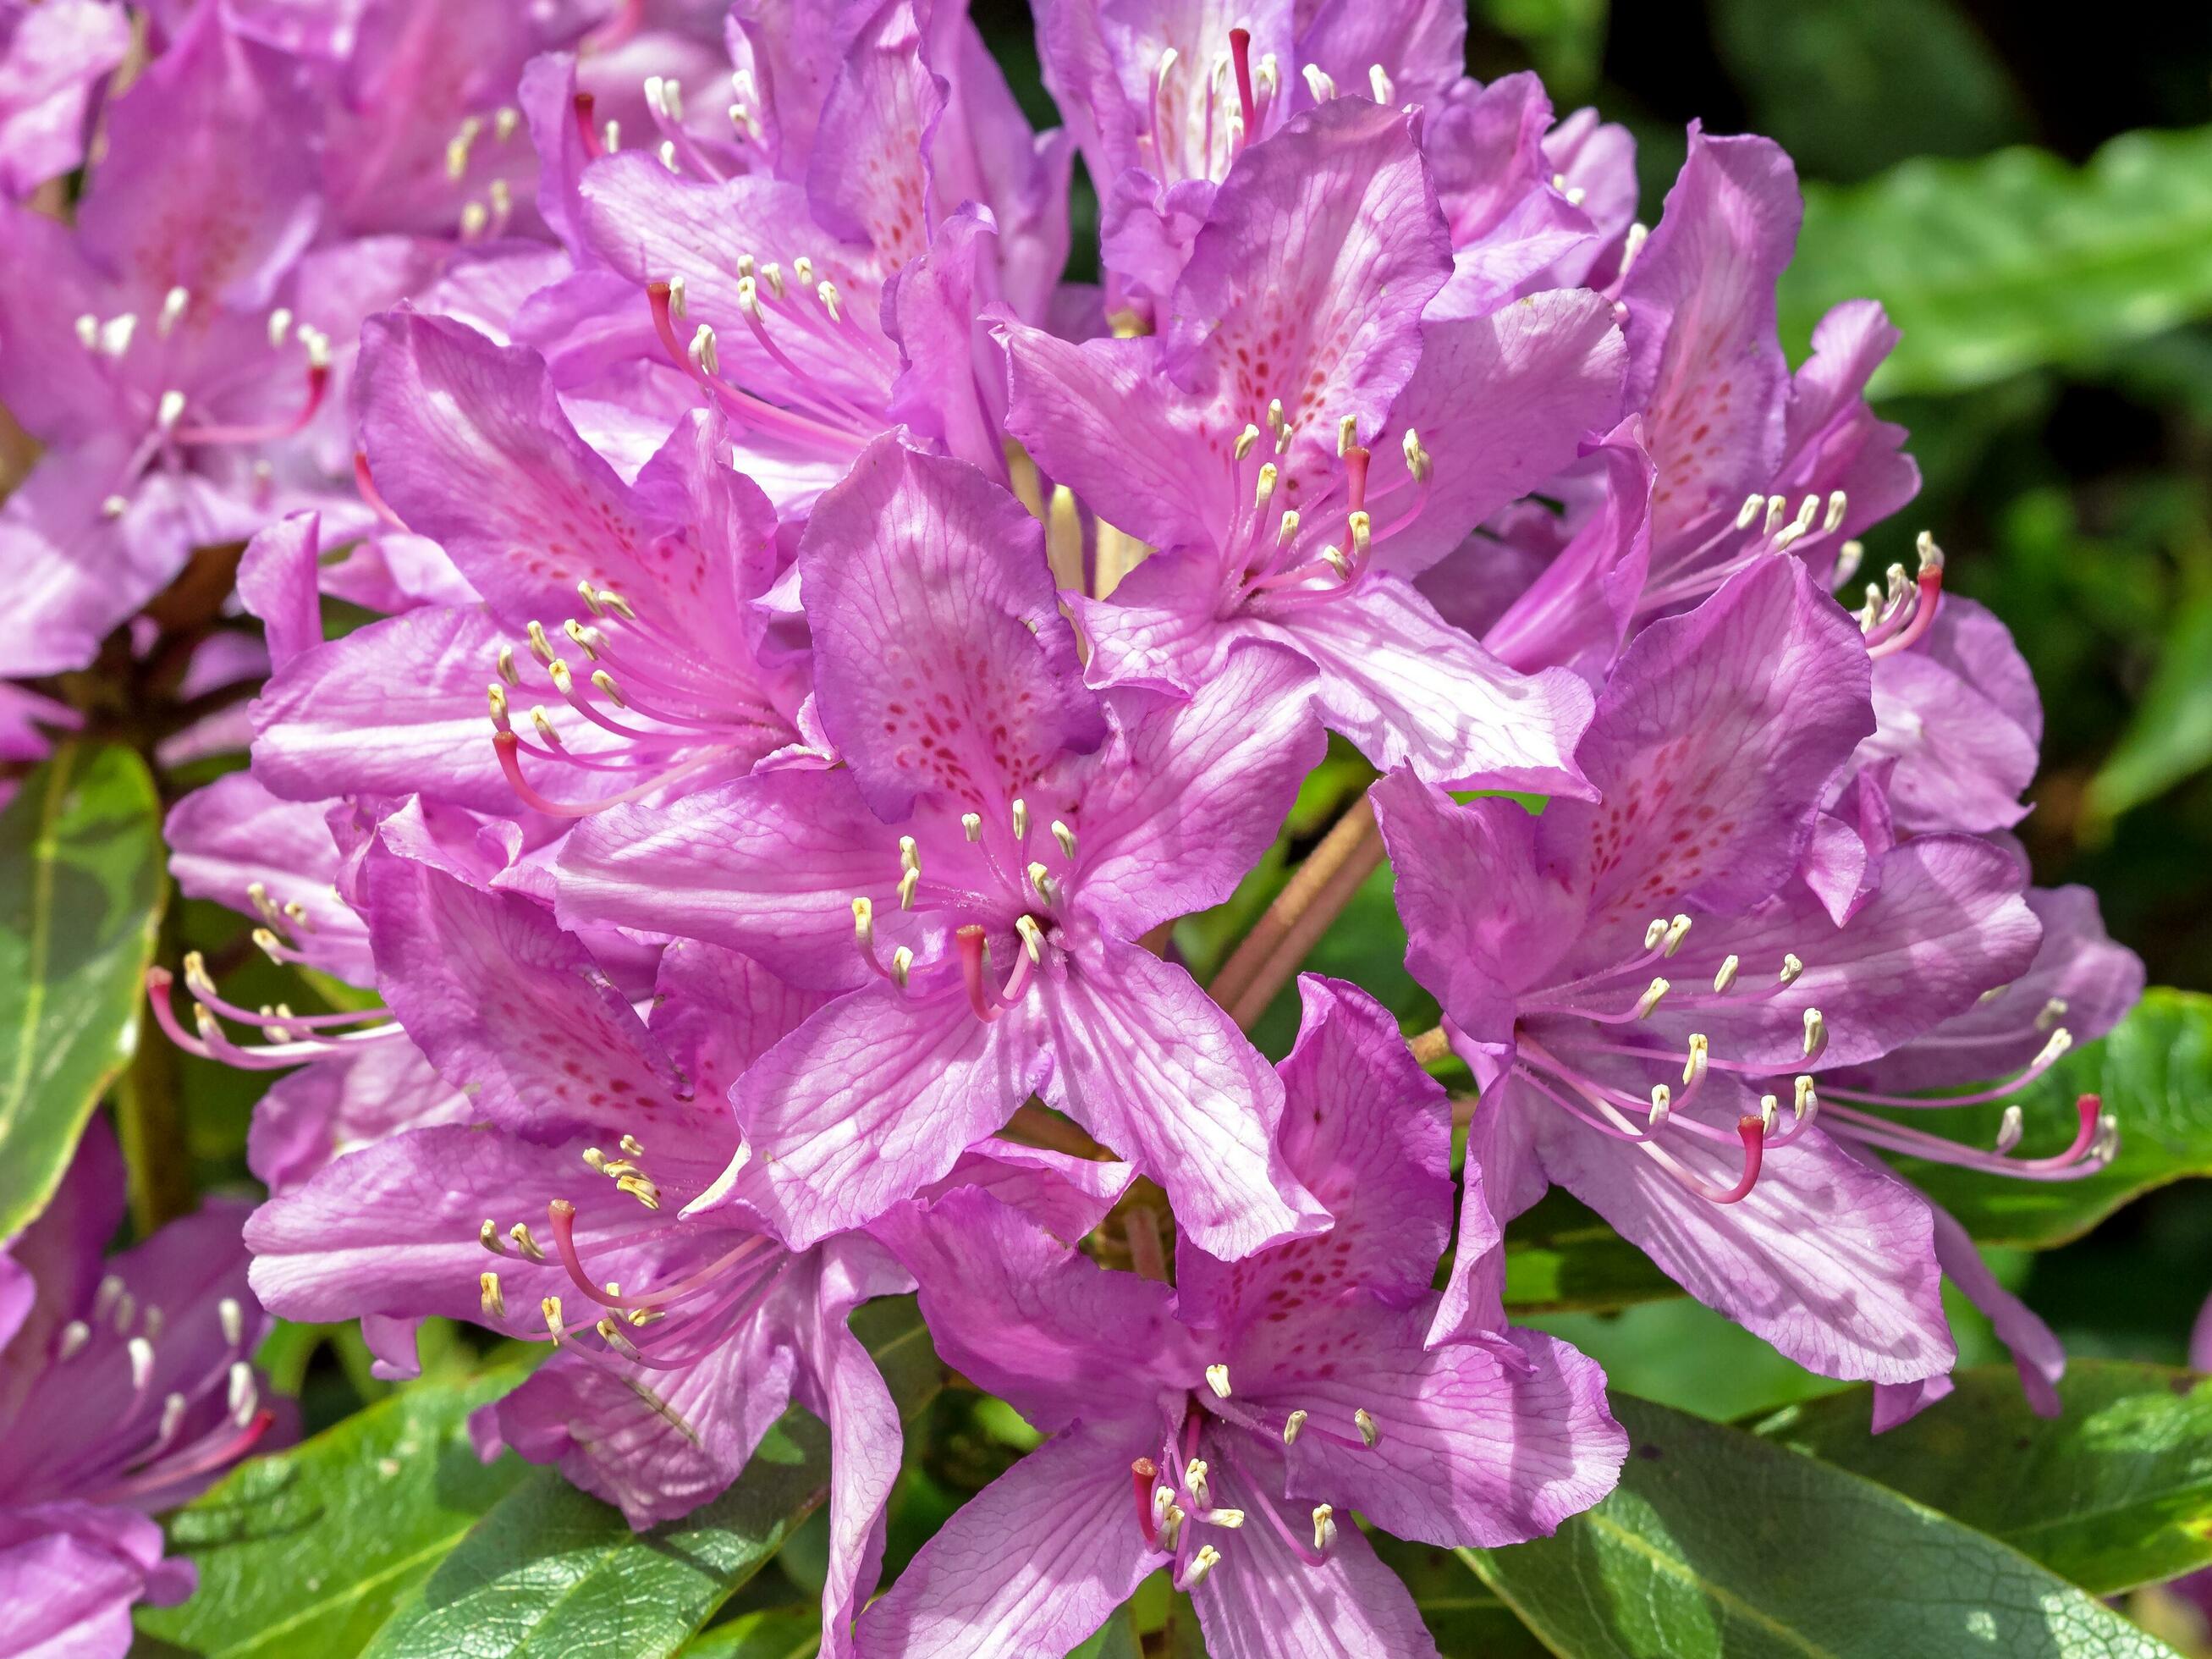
1463 1614
1719 1543
2116 1492
1115 1639
309 1550
80 885
2013 260
1561 1257
2169 735
2153 1072
552 1572
773 1633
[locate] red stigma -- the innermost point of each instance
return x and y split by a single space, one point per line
1142 1473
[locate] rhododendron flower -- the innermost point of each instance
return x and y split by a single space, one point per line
53 53
1239 442
124 1389
625 611
682 1337
975 881
1221 1427
1638 983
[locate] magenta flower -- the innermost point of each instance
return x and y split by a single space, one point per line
975 882
52 55
682 1336
127 1388
1220 1428
1299 446
1638 982
625 612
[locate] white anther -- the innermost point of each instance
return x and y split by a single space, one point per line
741 82
1286 528
909 853
1693 1067
1294 1425
1378 83
1168 59
525 1244
234 1320
1333 556
1417 458
1654 931
1318 84
1677 930
488 1235
803 269
1839 504
1047 888
1223 1517
1898 582
671 99
170 410
971 825
1662 1102
1265 488
105 1296
242 1396
458 147
1032 937
679 298
1194 1481
142 1362
1201 1564
495 694
1021 816
505 123
1347 435
1753 505
864 923
772 274
1324 1526
173 1415
172 311
1268 75
1769 1107
1931 557
280 326
2061 1041
826 291
1162 1501
490 1296
611 136
113 506
1792 967
1363 529
115 333
1816 1033
2053 1010
587 639
908 881
2008 1130
1638 233
1065 837
667 154
1805 1098
1848 559
901 965
1649 1000
2107 1145
87 331
1171 1525
1217 1379
476 217
704 356
608 689
1776 507
1364 1420
75 1335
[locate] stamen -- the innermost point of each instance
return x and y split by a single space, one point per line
1649 1000
1021 818
1324 1527
1662 1099
1364 1421
1805 1102
1753 504
1032 937
1677 930
1791 967
1201 1564
1693 1067
1378 83
2010 1129
523 1241
233 1319
75 1335
550 1308
493 1297
1217 1379
140 1352
1194 1481
172 311
971 825
1066 837
1816 1033
1246 440
1294 1425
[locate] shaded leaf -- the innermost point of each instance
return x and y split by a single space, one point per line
2154 1070
2114 1493
81 886
2013 260
1719 1542
307 1551
550 1570
773 1633
1561 1257
1463 1613
2169 735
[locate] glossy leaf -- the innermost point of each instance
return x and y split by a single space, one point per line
2013 260
774 1633
81 885
309 1550
2154 1074
552 1572
2116 1492
1717 1542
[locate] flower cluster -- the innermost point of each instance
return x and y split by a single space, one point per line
817 656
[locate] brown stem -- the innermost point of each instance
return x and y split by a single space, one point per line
1301 912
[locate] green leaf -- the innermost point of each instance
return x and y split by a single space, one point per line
1463 1614
1560 1257
772 1634
1719 1542
2169 735
81 885
1115 1639
552 1572
2154 1073
2013 260
308 1551
2116 1492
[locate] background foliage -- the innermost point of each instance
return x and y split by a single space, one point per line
2032 197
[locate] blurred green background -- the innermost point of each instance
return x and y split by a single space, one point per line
2029 191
